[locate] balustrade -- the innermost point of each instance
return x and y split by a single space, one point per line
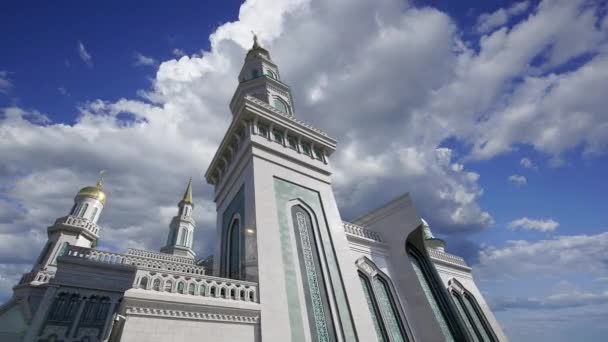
134 260
79 222
446 257
206 286
360 231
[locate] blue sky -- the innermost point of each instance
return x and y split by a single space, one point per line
491 114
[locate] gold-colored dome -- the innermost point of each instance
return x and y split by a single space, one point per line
94 192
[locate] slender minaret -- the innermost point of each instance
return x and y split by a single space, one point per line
181 229
278 223
78 228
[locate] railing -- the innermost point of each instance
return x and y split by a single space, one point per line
446 257
287 116
360 231
79 222
133 260
205 286
159 256
37 276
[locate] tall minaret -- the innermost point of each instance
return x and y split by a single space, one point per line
181 229
78 228
277 220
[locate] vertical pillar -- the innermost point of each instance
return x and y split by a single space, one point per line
74 325
40 316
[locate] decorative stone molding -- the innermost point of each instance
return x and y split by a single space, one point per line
284 115
446 258
362 232
151 260
191 315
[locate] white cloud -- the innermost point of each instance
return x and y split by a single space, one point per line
141 60
178 52
489 21
518 179
5 82
541 225
569 255
528 163
85 56
63 91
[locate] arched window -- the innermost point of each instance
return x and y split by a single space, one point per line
438 304
382 302
271 74
61 251
143 283
281 105
315 291
156 285
202 289
168 286
191 288
83 210
92 217
373 308
471 313
183 234
255 73
234 243
180 287
462 311
73 209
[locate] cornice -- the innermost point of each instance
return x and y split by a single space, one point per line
191 315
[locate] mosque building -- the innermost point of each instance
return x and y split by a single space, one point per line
285 266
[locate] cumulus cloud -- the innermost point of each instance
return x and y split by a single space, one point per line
489 21
141 60
528 163
569 299
428 85
5 82
84 55
508 92
518 179
542 225
557 257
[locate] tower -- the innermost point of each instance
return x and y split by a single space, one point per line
277 220
181 229
78 228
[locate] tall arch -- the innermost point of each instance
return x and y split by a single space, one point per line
437 296
471 312
384 306
233 249
315 292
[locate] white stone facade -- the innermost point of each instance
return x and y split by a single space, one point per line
286 267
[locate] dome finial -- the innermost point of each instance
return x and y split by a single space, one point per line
98 184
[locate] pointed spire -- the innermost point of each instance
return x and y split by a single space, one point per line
188 194
255 41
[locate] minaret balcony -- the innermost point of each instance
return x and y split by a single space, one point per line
77 222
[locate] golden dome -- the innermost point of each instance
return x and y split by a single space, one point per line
94 192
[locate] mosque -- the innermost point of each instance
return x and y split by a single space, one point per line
286 267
